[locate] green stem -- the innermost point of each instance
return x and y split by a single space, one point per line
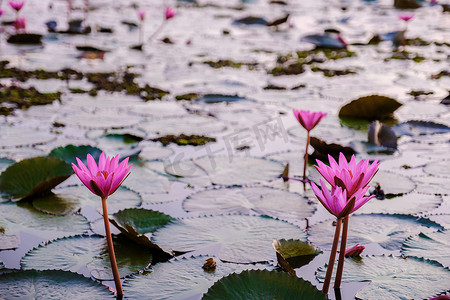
306 161
112 256
340 267
326 283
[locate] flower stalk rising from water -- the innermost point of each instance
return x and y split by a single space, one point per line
103 180
308 120
169 13
349 184
141 15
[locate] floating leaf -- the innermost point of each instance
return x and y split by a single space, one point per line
179 278
34 177
17 216
121 199
217 98
4 163
143 220
439 168
389 231
145 180
8 242
57 205
226 170
263 200
155 153
87 120
257 284
189 125
433 246
292 254
133 223
416 128
322 150
411 203
34 284
371 108
242 238
395 277
393 184
80 252
70 152
382 135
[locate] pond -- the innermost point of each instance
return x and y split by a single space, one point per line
202 104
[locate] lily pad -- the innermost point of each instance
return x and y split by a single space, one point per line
389 231
179 278
34 177
217 98
433 246
34 284
227 170
416 128
70 152
18 216
263 200
293 254
57 205
393 184
121 199
8 242
145 180
439 168
86 120
188 125
155 153
243 239
80 252
143 220
412 203
395 277
263 284
4 163
374 107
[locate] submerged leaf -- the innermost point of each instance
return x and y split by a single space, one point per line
33 177
34 284
374 107
257 284
394 277
292 254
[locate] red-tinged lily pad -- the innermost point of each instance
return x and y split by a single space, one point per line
393 278
293 254
374 107
433 246
34 177
263 284
389 231
243 239
70 152
34 284
80 252
179 278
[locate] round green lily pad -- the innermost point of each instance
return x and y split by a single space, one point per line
263 284
411 203
373 107
34 176
263 200
145 180
179 278
121 199
225 170
433 246
395 277
23 215
243 239
143 220
57 205
91 252
389 231
34 284
70 152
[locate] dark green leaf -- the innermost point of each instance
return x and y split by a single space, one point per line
33 177
374 107
141 219
70 152
295 253
256 284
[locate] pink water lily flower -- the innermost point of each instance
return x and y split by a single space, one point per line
106 177
141 15
337 201
405 17
16 5
308 119
170 13
20 23
354 251
351 176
